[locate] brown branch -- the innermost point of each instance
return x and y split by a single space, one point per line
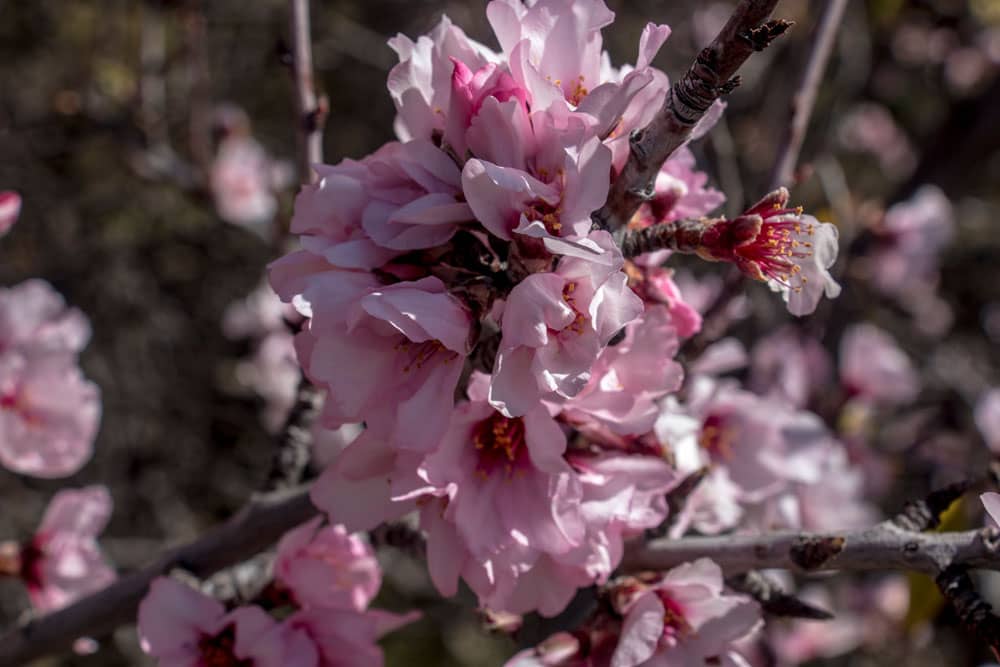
711 76
975 613
253 529
293 445
882 547
311 112
805 97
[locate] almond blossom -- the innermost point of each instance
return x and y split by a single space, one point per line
63 561
326 567
874 369
10 209
987 415
683 618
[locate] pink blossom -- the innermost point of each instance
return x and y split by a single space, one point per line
258 314
273 373
658 285
420 85
507 481
343 638
469 91
49 413
627 380
873 368
555 325
790 365
326 567
10 209
680 192
910 240
33 315
242 181
63 561
987 417
180 627
789 251
554 46
540 177
684 618
397 347
870 128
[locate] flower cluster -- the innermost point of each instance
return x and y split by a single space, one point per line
324 580
508 362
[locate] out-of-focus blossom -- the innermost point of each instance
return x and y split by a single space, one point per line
261 312
684 618
10 209
788 364
34 317
874 369
341 638
273 373
242 181
870 128
910 240
987 416
326 567
180 627
63 561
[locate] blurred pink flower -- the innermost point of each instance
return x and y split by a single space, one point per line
555 325
873 368
10 209
242 181
342 638
63 561
326 567
34 316
789 364
987 417
181 627
49 414
910 240
684 618
870 128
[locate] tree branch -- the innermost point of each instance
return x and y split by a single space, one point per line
253 529
805 97
312 112
882 547
711 76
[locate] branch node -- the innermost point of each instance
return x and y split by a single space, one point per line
811 553
760 38
773 598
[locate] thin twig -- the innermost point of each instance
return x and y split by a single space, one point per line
711 76
253 529
293 445
805 96
773 598
311 113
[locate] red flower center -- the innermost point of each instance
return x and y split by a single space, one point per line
500 444
675 625
217 650
717 437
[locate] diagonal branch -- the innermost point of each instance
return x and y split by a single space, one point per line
805 97
711 76
253 529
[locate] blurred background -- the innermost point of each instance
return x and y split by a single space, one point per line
115 121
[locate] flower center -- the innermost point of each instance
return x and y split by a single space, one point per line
675 625
778 250
579 322
717 438
217 651
500 444
546 213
